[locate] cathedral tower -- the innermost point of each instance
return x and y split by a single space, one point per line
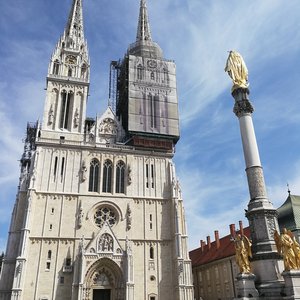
147 104
99 212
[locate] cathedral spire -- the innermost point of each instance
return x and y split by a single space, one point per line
74 29
144 46
143 30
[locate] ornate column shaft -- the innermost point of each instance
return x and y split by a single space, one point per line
261 214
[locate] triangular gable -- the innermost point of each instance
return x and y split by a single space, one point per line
105 242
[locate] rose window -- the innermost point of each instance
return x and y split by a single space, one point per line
105 214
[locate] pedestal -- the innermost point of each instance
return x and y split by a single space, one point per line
245 287
292 284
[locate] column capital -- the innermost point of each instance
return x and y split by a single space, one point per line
242 104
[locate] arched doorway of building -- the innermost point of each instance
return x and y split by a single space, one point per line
104 280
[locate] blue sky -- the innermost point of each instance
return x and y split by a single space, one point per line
196 34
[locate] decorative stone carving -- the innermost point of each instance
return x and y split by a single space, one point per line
128 217
129 180
108 126
80 216
105 243
76 118
50 116
243 107
83 171
256 183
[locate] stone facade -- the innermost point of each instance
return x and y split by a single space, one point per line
95 217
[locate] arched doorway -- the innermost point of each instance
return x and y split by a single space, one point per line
104 281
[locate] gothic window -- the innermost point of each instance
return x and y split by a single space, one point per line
105 214
70 72
83 71
66 99
139 72
120 177
152 76
55 166
49 254
68 262
48 264
151 253
150 223
147 175
165 71
107 176
152 175
153 103
94 176
62 168
56 67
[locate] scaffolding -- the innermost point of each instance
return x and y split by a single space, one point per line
113 81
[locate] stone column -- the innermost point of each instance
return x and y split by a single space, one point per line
261 214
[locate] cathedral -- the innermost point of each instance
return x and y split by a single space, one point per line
99 213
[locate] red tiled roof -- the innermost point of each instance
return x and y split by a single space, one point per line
201 256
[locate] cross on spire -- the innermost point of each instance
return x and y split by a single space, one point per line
143 30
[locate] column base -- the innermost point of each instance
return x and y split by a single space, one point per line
292 284
245 287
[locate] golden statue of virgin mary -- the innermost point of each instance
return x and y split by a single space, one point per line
237 70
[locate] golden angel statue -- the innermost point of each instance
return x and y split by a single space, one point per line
237 70
289 248
242 253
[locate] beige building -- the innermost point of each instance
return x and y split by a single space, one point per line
99 212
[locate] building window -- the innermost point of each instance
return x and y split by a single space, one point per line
83 71
153 103
94 176
150 224
52 211
151 252
152 176
56 67
120 177
105 214
70 72
152 76
61 279
68 262
49 254
147 176
66 99
48 264
50 227
62 169
55 167
107 177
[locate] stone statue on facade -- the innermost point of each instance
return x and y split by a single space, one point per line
237 70
289 248
242 253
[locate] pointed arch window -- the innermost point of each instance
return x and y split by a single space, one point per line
94 176
66 99
55 70
152 76
70 72
151 253
120 177
153 103
166 77
107 176
83 71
